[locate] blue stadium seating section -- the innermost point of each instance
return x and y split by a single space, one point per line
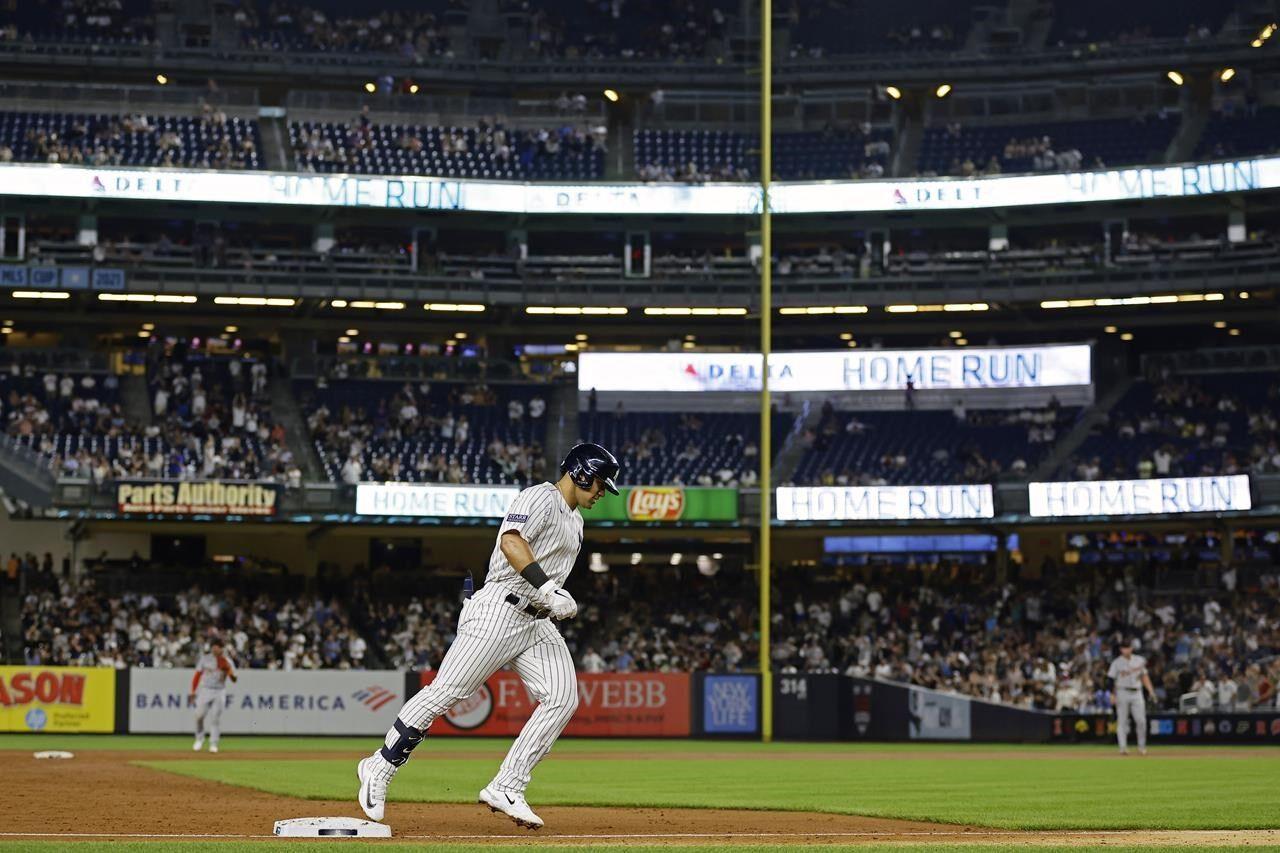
1240 132
88 133
372 398
1103 20
1119 142
655 29
917 436
719 438
796 156
865 26
1192 456
96 21
385 157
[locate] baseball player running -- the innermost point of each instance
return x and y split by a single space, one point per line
1129 671
209 692
506 622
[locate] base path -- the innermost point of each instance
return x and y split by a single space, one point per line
102 794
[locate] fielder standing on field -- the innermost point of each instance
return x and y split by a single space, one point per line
1129 671
209 694
506 622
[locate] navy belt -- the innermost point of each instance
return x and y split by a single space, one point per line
514 601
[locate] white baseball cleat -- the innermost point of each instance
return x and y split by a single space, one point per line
196 747
511 805
213 747
373 787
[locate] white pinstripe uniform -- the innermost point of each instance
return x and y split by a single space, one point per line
1128 673
493 632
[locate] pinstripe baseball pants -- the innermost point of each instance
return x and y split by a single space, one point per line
492 634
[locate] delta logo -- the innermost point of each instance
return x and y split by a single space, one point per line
374 697
656 504
48 688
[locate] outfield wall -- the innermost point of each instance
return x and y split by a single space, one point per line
807 706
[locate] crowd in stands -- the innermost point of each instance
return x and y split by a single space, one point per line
209 140
919 447
1211 635
1178 425
213 421
489 149
668 30
75 624
417 432
855 151
414 34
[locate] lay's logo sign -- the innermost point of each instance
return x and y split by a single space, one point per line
665 503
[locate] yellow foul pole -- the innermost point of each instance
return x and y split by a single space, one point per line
766 335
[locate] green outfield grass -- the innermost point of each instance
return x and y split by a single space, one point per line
1089 788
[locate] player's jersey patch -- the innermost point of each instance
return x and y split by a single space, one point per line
517 518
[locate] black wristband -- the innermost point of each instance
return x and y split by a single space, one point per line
534 574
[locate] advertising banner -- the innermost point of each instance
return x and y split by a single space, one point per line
272 702
408 192
1140 497
610 704
933 715
843 370
420 499
883 503
198 497
57 699
730 704
1208 728
666 503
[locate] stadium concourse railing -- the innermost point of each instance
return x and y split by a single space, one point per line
389 284
905 68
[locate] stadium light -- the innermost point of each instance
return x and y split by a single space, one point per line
1175 78
1127 336
255 301
7 330
852 344
343 339
448 306
1110 330
1244 294
370 87
143 333
462 336
353 332
962 342
955 334
846 336
943 90
170 298
950 307
1227 74
893 92
1235 333
574 310
581 336
695 312
1219 324
413 88
825 309
1256 43
635 558
611 95
150 327
41 294
162 80
230 330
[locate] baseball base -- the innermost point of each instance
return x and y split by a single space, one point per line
331 827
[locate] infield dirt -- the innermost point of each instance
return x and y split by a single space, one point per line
102 794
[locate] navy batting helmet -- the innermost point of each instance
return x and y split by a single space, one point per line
586 463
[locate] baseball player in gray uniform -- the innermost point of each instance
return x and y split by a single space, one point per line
506 622
1129 672
209 694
